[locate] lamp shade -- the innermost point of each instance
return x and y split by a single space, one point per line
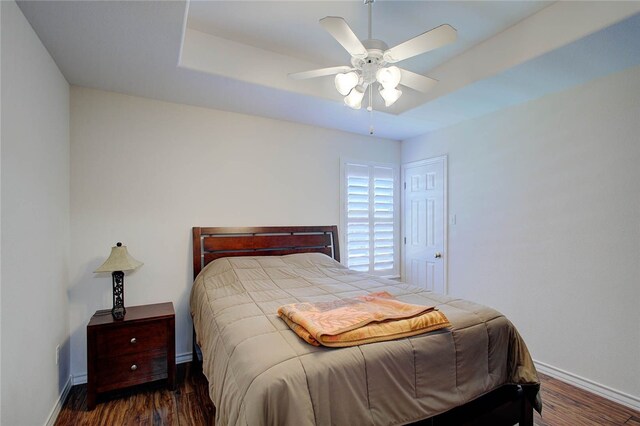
119 260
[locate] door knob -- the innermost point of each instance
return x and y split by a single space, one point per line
438 255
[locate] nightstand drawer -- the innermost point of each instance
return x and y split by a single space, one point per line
131 369
117 341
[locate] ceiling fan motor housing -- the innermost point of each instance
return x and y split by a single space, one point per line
372 62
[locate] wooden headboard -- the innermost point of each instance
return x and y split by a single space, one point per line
212 243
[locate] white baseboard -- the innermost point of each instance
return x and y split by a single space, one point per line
185 357
53 415
589 385
80 379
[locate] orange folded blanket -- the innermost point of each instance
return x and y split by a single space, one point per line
375 317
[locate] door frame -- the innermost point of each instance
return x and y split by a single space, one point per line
445 160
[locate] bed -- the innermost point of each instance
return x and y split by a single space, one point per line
478 371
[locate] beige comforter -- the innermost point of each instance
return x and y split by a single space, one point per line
260 372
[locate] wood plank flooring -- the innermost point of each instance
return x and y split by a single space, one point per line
144 405
566 405
189 404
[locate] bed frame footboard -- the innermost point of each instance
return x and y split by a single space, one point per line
504 406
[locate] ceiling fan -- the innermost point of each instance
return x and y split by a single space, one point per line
369 60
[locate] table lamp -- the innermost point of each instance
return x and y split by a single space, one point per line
119 260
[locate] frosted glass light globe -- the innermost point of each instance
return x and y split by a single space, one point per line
389 77
346 81
390 95
354 99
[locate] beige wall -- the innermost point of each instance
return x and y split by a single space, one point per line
35 224
144 172
547 201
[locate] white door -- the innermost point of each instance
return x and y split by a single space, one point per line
424 227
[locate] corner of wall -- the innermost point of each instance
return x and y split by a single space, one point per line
34 206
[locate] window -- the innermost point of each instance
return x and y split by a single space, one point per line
369 201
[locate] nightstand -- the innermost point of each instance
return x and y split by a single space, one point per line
140 348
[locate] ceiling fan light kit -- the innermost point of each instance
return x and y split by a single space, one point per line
369 60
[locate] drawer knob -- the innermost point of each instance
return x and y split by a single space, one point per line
134 367
133 340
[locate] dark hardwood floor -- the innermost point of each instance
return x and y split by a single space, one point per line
189 404
151 404
566 405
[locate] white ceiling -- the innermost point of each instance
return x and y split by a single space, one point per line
292 28
235 55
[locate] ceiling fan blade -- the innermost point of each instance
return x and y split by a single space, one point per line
321 72
416 81
432 39
343 33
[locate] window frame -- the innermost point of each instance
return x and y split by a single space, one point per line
344 163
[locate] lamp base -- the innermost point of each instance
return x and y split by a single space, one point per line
118 311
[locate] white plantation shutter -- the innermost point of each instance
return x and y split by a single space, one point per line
383 220
358 206
370 218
